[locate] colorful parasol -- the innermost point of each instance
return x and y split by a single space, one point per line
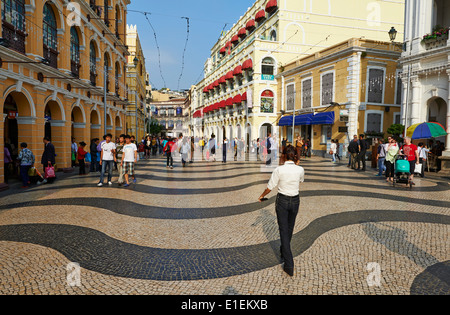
426 131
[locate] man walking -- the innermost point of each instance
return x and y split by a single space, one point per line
353 149
224 150
269 146
119 155
48 157
412 153
363 146
107 159
129 160
381 157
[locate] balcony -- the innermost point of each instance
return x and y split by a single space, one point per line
15 37
52 56
437 39
75 69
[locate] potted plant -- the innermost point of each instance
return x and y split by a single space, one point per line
439 34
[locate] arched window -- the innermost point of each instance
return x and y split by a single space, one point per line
117 21
13 21
50 38
106 12
116 77
267 102
74 52
93 64
268 66
106 70
273 36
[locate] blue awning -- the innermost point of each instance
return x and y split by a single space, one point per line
285 121
323 119
303 120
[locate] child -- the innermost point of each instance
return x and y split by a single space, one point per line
81 155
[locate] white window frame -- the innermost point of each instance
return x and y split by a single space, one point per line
399 114
371 111
397 81
334 85
367 84
312 91
295 96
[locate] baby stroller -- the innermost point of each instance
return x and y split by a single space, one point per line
402 172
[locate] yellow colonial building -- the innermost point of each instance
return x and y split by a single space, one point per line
54 57
137 85
348 89
239 94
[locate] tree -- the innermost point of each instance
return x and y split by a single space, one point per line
155 127
397 131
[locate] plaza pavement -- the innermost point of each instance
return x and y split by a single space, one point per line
200 230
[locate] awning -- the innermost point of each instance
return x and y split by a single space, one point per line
303 120
235 39
222 80
260 15
229 102
205 90
229 76
271 5
223 50
244 97
215 84
250 25
237 99
285 121
222 104
242 32
248 64
237 71
327 118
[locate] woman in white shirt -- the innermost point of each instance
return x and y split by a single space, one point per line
333 150
287 178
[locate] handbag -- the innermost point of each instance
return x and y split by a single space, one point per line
88 158
418 169
73 156
50 171
32 172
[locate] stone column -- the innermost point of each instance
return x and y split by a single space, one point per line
447 149
3 185
415 101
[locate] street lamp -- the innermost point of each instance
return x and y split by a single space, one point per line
136 62
392 34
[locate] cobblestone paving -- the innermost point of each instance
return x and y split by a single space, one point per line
200 230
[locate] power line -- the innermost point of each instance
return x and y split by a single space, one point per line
184 52
157 47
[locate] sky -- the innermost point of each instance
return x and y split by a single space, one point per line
207 19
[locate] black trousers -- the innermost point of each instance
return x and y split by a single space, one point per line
362 159
82 167
287 210
169 159
390 169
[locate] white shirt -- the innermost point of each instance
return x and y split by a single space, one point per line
128 152
288 178
185 147
423 153
107 149
334 148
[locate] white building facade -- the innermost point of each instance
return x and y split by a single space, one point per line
426 65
